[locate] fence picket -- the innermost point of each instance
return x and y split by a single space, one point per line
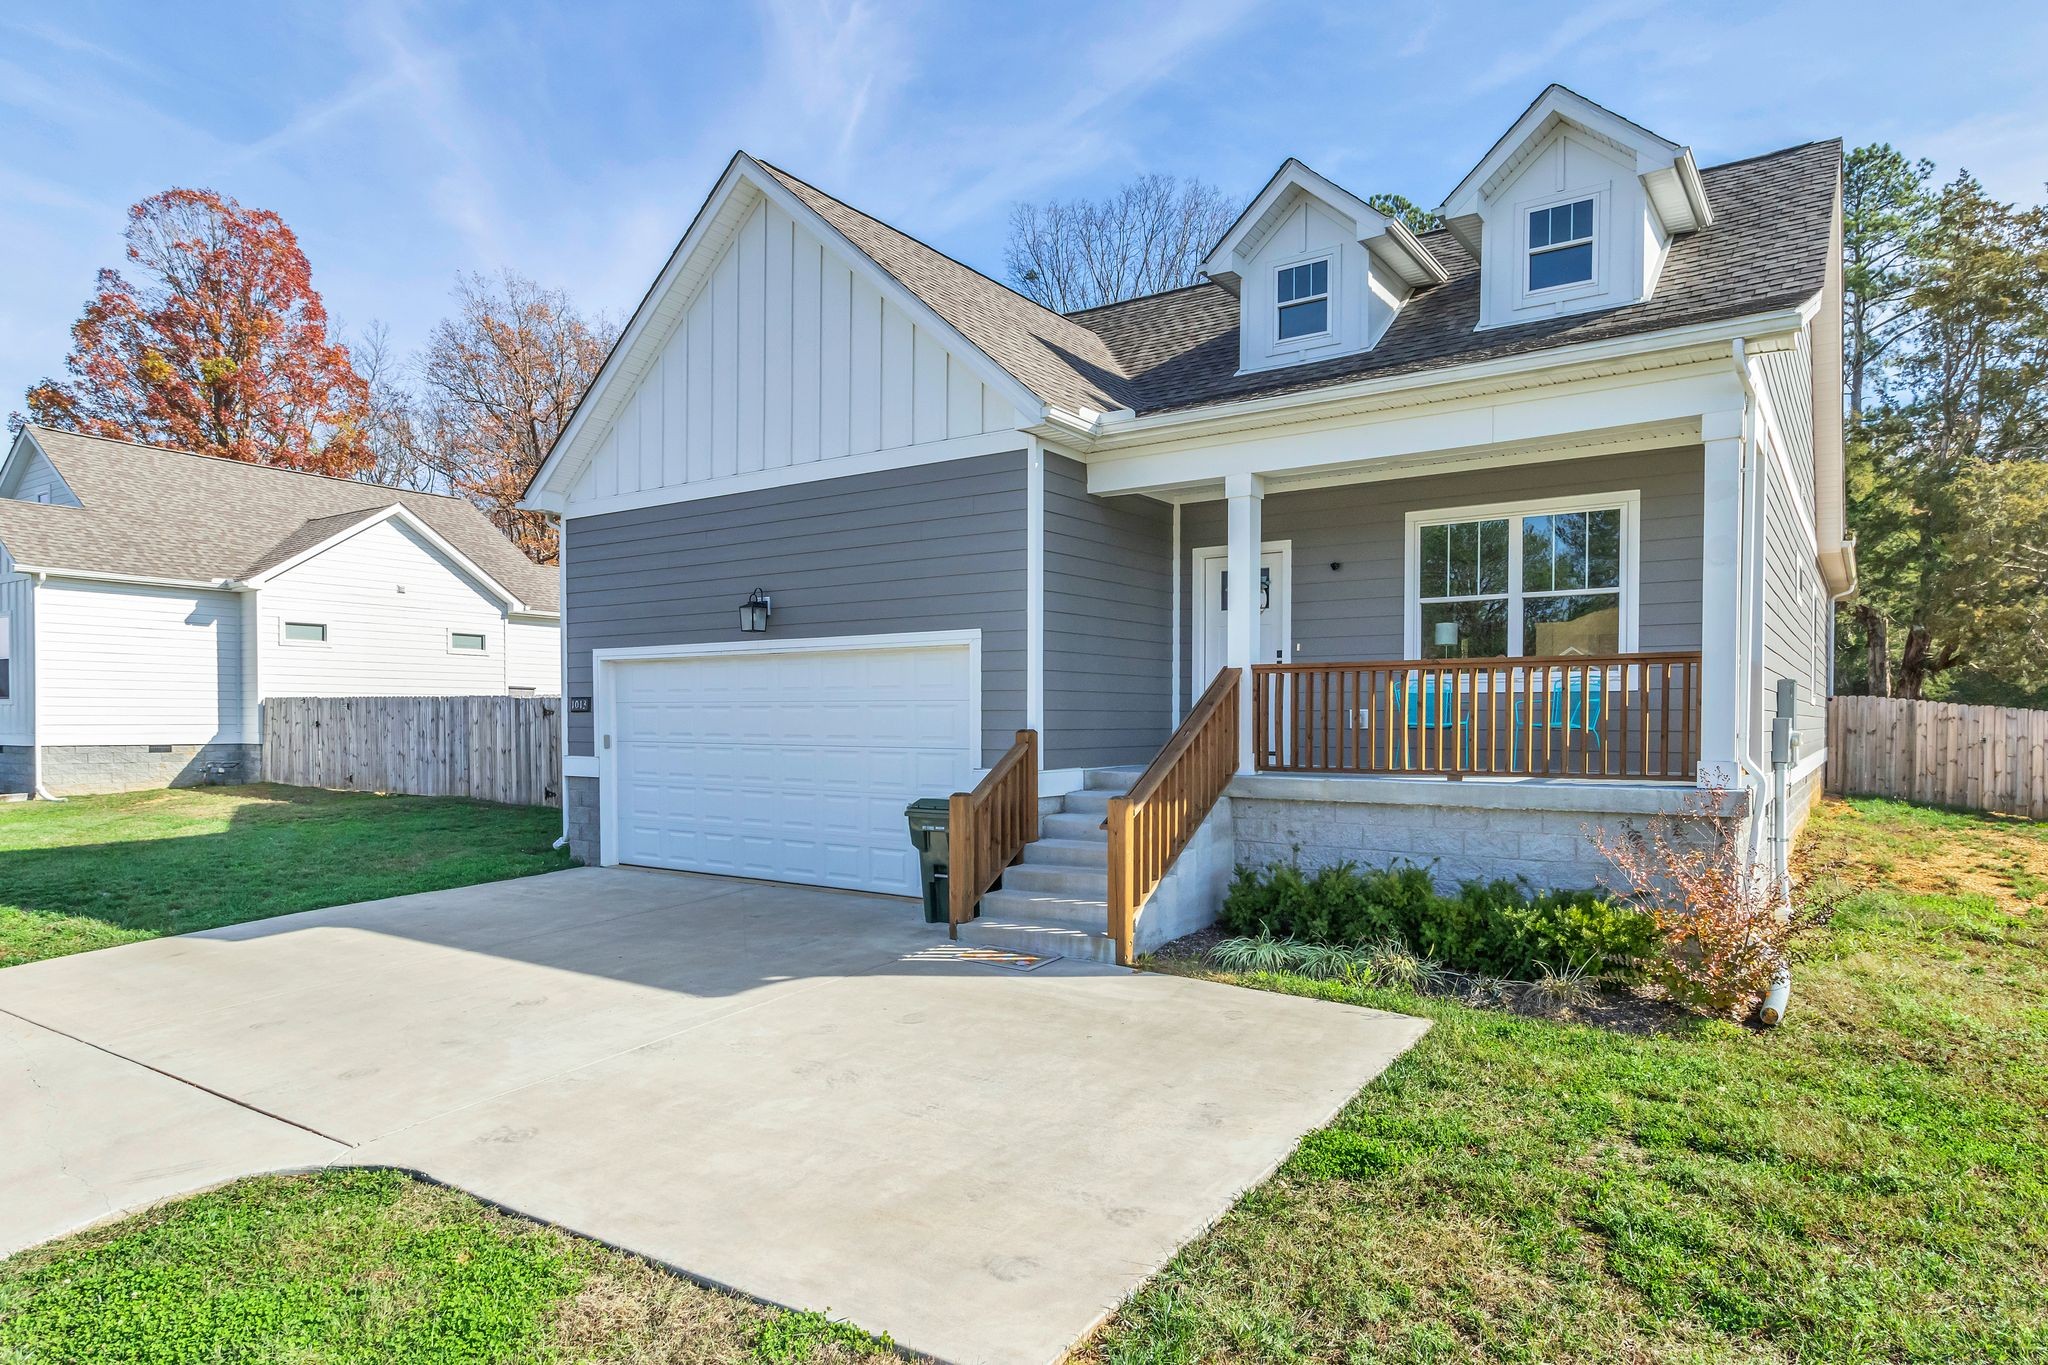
1988 758
500 748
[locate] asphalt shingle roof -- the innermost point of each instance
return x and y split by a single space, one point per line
1060 360
150 512
1767 249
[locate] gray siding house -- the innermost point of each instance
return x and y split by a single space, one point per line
1541 507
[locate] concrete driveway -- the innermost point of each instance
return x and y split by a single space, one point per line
808 1096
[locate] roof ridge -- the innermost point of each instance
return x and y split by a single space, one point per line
1140 298
232 462
1780 151
917 241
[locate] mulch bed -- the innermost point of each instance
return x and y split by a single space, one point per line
1622 1008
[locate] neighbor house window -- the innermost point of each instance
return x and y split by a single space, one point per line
305 633
6 646
1561 245
465 642
1303 292
1544 584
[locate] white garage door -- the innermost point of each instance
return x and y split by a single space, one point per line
788 766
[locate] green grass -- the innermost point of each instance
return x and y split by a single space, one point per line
1866 1183
366 1265
100 870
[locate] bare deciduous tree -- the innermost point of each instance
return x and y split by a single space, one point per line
1148 236
494 387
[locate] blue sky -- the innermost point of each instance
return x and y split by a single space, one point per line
572 142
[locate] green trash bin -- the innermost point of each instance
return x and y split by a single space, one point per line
927 816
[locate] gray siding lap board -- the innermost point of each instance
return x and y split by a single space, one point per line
1355 612
1108 622
936 547
1795 620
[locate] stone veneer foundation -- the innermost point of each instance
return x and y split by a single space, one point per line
91 769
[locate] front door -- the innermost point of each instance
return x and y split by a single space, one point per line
1217 596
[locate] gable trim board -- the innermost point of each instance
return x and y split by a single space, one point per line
396 512
676 289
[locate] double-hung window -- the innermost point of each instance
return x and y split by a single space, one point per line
1561 245
1535 584
1303 294
6 645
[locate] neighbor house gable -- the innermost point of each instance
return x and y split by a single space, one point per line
322 535
770 346
26 474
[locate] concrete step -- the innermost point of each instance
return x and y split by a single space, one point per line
1094 803
1089 853
1044 940
1111 779
1087 826
1046 907
1059 879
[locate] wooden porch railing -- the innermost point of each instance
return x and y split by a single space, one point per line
988 827
1151 823
1634 716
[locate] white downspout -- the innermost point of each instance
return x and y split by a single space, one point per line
562 651
35 693
1772 1009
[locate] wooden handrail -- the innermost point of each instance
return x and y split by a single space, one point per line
1151 823
1616 716
988 827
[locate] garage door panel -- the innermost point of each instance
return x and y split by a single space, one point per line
791 766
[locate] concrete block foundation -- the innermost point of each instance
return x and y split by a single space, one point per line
93 769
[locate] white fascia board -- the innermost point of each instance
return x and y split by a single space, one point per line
1113 431
395 512
630 338
1631 411
1559 103
654 320
47 571
1367 224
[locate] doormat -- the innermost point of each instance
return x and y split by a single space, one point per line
982 955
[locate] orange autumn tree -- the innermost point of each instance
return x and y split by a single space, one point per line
495 386
219 345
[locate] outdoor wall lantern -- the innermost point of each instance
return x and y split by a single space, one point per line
754 611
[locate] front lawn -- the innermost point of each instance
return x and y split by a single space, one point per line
99 870
363 1265
1865 1183
1868 1182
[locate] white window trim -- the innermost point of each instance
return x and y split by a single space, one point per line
1525 297
1628 501
483 635
284 634
1308 341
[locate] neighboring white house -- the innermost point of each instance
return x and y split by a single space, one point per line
150 599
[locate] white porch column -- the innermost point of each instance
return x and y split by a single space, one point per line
1246 494
1720 598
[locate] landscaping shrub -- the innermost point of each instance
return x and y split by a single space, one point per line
1499 928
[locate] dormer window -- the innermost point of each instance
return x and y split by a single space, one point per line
1303 294
1561 245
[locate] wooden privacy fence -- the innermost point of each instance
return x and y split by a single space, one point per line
1990 758
506 749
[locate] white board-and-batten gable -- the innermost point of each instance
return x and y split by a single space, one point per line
772 350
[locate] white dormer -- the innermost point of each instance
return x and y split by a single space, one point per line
1573 210
1317 271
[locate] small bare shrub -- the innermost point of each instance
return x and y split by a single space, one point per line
1724 933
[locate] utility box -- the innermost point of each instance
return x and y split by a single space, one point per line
928 816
